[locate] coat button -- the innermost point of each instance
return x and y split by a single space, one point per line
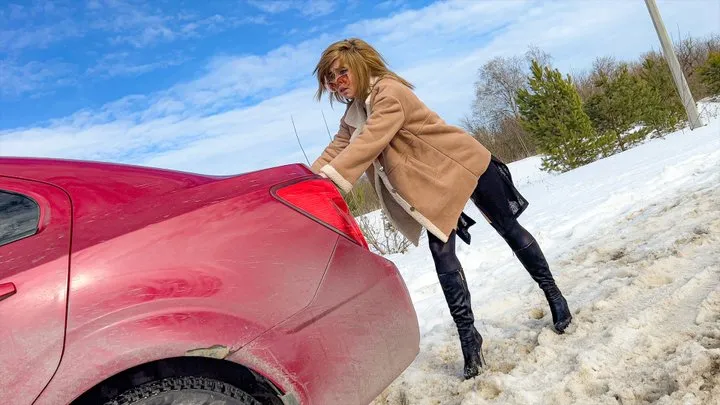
412 209
394 191
382 169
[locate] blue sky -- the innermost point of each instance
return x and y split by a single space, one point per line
82 54
209 86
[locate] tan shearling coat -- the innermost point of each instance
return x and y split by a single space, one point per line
423 169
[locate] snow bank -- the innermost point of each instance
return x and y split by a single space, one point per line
633 241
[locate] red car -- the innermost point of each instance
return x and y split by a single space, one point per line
131 285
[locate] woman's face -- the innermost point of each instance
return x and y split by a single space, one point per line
341 80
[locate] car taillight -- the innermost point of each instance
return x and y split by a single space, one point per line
320 200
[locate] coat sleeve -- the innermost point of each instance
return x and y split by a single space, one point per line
385 121
339 142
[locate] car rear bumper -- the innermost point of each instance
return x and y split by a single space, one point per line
358 334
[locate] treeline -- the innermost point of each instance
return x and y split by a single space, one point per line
524 106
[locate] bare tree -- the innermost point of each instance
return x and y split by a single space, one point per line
499 79
604 66
379 232
584 84
692 54
381 235
536 54
711 44
496 118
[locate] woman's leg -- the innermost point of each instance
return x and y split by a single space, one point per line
490 197
457 295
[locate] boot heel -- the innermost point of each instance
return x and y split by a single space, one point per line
483 363
478 337
560 312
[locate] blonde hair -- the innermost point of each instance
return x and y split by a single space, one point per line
361 59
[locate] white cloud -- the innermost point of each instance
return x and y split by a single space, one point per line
213 23
390 5
236 116
318 8
140 30
146 36
38 37
136 24
131 23
441 19
273 6
21 12
17 12
312 8
18 32
119 64
94 4
20 78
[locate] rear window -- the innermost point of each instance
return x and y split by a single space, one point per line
19 217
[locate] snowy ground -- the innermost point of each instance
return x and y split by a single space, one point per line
634 243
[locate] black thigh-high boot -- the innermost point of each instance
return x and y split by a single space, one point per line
455 288
532 258
493 196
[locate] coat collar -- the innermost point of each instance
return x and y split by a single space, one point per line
356 114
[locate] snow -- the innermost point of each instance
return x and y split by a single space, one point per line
634 243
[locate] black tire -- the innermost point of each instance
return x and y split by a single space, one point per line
185 391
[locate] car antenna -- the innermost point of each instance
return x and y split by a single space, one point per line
298 139
326 125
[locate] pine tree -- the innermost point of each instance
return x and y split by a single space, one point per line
552 112
710 73
666 107
623 102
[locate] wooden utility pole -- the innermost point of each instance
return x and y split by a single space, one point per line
677 74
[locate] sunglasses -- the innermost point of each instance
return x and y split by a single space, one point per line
334 80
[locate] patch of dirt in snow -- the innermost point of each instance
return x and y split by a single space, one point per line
645 293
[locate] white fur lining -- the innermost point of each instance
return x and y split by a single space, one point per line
337 178
355 115
420 218
383 206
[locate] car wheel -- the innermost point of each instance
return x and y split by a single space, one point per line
184 391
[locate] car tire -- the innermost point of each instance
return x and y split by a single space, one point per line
185 391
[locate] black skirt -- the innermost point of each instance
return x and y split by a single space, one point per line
516 203
496 197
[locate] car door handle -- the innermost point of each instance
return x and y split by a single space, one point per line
6 290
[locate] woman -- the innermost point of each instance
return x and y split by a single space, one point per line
424 171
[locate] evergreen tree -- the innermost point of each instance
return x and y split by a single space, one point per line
552 112
666 107
622 103
710 73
